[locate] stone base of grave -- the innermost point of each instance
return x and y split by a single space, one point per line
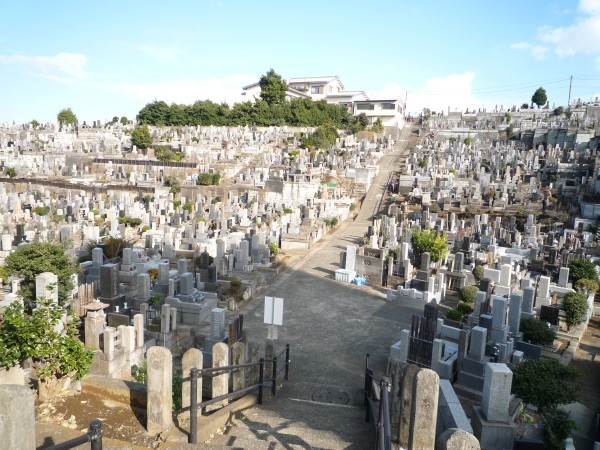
492 435
115 367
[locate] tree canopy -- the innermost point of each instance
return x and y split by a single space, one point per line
539 97
300 112
272 88
582 269
323 137
34 335
430 241
545 383
575 307
30 260
66 116
141 137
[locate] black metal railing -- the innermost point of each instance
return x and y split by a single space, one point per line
213 371
383 438
93 436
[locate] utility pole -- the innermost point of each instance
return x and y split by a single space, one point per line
570 83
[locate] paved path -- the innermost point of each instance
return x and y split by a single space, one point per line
330 327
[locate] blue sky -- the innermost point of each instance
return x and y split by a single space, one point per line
106 59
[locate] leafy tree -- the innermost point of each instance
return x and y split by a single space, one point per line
34 123
524 106
582 269
34 335
30 260
324 137
558 111
467 141
558 428
207 179
377 126
508 117
422 163
587 286
41 210
539 97
141 137
575 307
537 331
430 241
545 383
10 171
115 119
124 120
468 293
272 88
66 116
155 113
173 184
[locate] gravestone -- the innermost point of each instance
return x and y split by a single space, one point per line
160 388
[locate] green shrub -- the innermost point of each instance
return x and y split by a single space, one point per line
575 307
464 307
273 247
537 331
468 293
454 314
478 272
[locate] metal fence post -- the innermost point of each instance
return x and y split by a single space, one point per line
193 405
274 385
95 433
385 411
261 379
287 361
368 375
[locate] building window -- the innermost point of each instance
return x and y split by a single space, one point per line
316 89
365 106
387 106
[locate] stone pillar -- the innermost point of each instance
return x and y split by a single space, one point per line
220 382
127 339
478 341
269 354
94 327
238 356
160 390
138 325
173 319
456 439
424 408
496 392
144 313
514 312
165 318
192 359
406 405
17 417
109 343
404 343
253 356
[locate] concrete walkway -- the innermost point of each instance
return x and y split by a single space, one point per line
330 327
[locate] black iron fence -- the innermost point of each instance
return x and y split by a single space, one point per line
93 436
214 371
377 401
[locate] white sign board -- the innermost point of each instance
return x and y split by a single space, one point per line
273 311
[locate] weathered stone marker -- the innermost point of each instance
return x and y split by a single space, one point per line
17 417
455 439
425 392
160 390
238 356
220 382
193 358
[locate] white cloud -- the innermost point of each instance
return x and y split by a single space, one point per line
538 51
62 66
590 7
582 36
437 93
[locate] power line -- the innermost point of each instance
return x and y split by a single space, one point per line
495 90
